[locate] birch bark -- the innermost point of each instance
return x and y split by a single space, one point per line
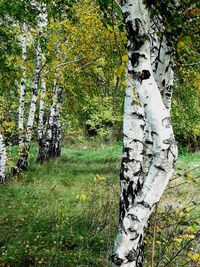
50 144
161 60
45 143
57 134
153 138
3 159
22 89
41 123
22 163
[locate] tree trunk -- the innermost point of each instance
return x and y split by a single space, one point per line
22 90
50 144
41 110
45 143
3 159
161 61
22 163
41 19
57 134
150 150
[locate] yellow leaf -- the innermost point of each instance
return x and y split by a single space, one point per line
177 239
181 44
191 229
136 102
189 175
181 214
124 84
188 236
187 209
194 256
8 123
134 91
83 197
124 58
99 178
120 71
158 230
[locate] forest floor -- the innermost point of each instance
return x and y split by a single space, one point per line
64 213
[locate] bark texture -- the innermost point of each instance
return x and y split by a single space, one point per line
50 143
41 19
3 159
22 89
150 150
41 123
22 163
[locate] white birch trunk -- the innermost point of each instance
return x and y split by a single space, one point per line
42 23
41 123
45 144
52 115
50 144
155 174
58 126
31 116
161 60
22 89
3 159
131 168
24 150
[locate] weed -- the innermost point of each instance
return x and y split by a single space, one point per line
64 213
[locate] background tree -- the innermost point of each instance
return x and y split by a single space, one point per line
3 160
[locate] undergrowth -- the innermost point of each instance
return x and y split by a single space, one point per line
64 213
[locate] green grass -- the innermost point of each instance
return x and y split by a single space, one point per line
64 213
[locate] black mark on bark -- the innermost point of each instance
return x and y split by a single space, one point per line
160 168
144 75
131 255
116 259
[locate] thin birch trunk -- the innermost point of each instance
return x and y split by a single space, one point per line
45 144
22 89
41 124
3 159
161 60
137 202
58 127
50 144
51 124
22 163
34 96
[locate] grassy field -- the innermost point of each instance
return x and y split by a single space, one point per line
64 213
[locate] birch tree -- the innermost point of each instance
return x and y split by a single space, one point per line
24 149
49 133
50 141
41 122
150 150
57 132
3 159
22 88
